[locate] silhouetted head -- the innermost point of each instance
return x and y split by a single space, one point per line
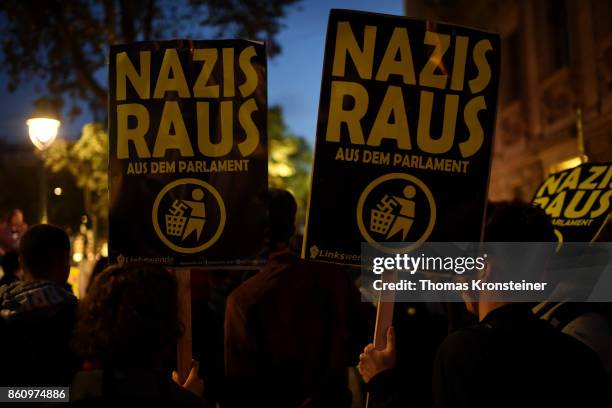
516 221
45 254
10 267
16 217
527 242
282 216
100 265
129 318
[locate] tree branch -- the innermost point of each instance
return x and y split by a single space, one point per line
148 20
110 22
79 62
127 20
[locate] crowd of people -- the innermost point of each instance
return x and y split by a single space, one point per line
292 336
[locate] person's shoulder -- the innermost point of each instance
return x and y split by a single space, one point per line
583 354
265 278
466 337
246 293
185 399
331 272
470 342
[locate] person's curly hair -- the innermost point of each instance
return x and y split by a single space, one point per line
129 317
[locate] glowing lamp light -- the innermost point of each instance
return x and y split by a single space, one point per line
43 131
104 250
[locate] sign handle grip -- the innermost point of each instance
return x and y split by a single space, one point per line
184 351
384 319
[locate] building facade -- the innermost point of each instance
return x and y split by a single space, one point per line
556 74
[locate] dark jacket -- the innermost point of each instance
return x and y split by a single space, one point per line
36 323
510 359
291 331
142 388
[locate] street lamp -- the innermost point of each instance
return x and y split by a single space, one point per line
43 131
43 127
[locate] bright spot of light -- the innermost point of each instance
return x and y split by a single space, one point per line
104 249
43 131
57 191
77 257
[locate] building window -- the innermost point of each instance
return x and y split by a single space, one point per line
602 15
511 69
554 50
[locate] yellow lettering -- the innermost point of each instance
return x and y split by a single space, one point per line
392 104
245 118
605 183
572 212
604 204
461 46
571 181
399 43
484 69
228 72
352 118
200 87
424 139
588 183
136 135
140 81
470 116
556 206
205 144
428 77
171 119
250 75
171 76
347 44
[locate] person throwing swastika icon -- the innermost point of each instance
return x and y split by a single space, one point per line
405 218
197 216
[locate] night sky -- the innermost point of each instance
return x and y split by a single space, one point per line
294 76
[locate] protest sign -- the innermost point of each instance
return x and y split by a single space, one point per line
577 200
404 135
188 152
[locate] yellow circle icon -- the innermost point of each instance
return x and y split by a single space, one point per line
179 225
383 221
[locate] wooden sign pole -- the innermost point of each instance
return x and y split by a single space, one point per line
384 319
184 355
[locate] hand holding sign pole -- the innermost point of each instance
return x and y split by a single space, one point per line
184 350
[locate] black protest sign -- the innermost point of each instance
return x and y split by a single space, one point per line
404 135
188 152
577 200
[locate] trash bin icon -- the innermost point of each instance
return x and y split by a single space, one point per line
380 221
175 225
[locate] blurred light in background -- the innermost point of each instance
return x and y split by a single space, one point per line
57 191
566 164
43 131
73 280
104 249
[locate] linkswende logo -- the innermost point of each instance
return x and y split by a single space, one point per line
316 252
189 215
396 207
